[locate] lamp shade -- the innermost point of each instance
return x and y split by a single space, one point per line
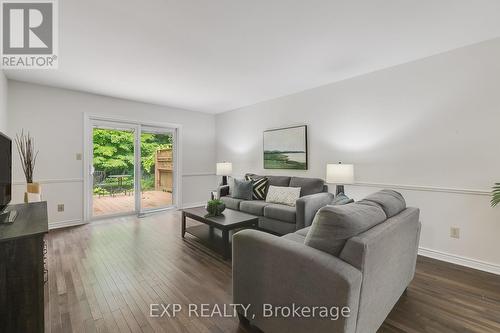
340 174
224 169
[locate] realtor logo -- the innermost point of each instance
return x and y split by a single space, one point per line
29 34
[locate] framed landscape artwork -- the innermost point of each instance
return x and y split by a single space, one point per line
286 148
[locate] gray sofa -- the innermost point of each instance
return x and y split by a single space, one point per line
371 271
282 219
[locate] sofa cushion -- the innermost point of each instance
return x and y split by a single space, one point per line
307 185
255 207
303 232
283 195
276 226
392 202
279 180
293 236
298 236
273 180
280 212
231 203
243 189
334 225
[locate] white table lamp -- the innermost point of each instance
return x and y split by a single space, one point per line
340 174
224 169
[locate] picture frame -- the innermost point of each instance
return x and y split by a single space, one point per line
285 148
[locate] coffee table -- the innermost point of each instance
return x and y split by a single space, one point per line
223 225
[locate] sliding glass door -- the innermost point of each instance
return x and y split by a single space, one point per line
113 169
157 168
132 168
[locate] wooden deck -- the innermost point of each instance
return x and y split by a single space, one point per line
103 276
121 203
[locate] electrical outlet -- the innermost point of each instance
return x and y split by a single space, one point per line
78 157
60 208
455 232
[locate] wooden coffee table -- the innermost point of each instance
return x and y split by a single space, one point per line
223 225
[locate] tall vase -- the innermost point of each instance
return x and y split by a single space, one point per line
33 192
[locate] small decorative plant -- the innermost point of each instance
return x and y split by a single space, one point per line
26 148
215 207
495 195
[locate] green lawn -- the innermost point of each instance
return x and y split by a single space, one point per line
273 160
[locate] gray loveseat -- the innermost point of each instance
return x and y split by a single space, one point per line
282 219
372 269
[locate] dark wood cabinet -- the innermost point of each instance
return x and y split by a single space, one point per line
22 269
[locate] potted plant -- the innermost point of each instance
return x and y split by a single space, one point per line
215 207
495 195
26 148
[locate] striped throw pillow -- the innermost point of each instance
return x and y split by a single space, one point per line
260 186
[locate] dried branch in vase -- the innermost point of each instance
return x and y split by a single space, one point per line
26 148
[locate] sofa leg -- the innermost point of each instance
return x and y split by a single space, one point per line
243 320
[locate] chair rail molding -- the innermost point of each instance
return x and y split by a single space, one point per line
80 180
51 181
198 174
424 188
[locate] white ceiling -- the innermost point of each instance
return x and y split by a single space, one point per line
220 55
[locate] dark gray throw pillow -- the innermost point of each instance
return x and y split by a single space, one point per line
242 189
341 199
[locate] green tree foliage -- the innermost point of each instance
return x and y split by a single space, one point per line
150 143
114 150
495 196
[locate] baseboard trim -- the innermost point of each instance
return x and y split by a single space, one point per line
194 204
459 260
65 224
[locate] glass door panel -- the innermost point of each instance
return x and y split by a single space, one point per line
113 167
157 168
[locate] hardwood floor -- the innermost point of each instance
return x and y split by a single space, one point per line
104 276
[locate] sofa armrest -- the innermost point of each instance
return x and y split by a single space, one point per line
272 270
223 190
308 205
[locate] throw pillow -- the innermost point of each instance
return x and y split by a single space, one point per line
341 199
259 187
242 189
334 225
283 195
392 202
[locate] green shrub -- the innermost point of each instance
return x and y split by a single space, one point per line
148 182
100 191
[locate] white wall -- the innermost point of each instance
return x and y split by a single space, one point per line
432 124
3 103
54 117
